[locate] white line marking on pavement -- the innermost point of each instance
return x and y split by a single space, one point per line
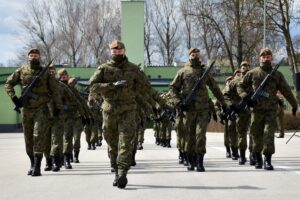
219 148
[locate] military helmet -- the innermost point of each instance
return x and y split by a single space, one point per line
33 50
265 51
62 71
72 81
116 44
236 71
245 63
228 79
193 50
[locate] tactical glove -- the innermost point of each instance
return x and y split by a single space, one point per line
249 101
294 111
17 102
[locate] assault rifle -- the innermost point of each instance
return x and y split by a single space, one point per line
27 93
294 134
186 103
259 92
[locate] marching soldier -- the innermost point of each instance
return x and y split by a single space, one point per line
195 119
118 81
263 120
35 112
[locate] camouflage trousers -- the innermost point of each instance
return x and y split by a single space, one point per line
140 132
242 127
68 135
279 118
35 126
156 127
180 132
77 129
230 134
91 132
119 132
195 124
166 130
263 126
54 137
100 132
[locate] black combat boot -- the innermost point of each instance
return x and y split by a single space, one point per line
133 163
162 143
37 166
89 146
76 155
115 183
31 165
228 152
56 163
48 164
67 162
93 146
140 146
71 157
122 181
267 162
242 159
99 143
252 159
234 154
259 162
191 161
180 157
157 141
168 143
185 159
200 167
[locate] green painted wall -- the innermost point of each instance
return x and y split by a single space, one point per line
132 30
7 113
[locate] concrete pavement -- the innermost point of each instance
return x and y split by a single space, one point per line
156 176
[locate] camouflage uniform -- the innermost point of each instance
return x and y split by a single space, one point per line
35 113
263 119
119 108
91 130
230 134
58 131
280 116
195 120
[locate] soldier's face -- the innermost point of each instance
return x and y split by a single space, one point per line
115 52
35 56
265 58
195 55
53 72
244 68
237 74
64 77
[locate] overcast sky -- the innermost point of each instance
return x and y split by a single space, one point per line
10 11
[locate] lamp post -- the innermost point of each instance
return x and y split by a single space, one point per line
265 21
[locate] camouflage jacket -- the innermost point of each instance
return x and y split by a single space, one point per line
230 93
184 82
45 89
120 98
251 81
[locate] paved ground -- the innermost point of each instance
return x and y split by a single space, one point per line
156 176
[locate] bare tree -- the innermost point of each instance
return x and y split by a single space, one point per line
69 19
39 26
102 25
166 26
280 12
